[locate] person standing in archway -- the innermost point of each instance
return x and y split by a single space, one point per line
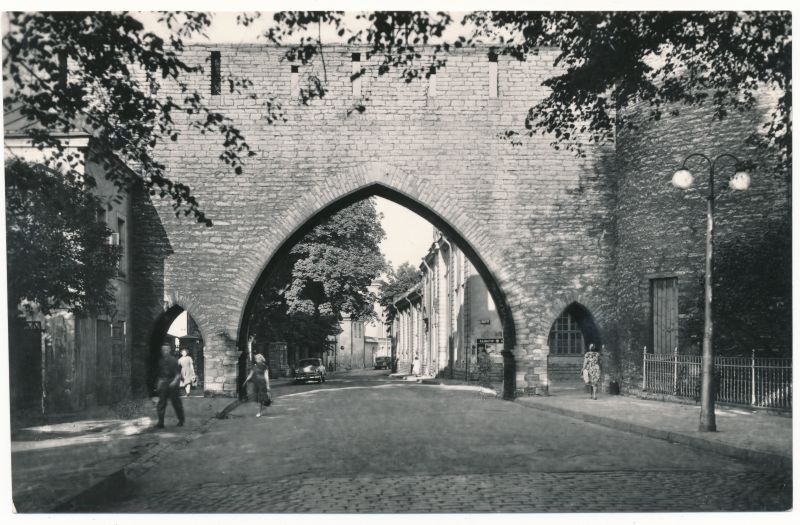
169 375
188 377
484 372
591 369
416 366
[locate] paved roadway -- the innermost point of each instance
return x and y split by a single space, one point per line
364 443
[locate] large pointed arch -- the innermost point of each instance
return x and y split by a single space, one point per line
380 190
458 225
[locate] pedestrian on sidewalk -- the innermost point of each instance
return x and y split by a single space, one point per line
169 375
484 372
188 377
259 374
416 366
591 369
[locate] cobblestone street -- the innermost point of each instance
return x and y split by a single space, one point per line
361 443
657 491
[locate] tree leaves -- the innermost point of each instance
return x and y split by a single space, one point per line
57 252
399 281
326 274
99 72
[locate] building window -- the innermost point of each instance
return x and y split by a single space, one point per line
493 74
118 332
664 314
566 337
432 82
122 242
294 82
355 76
216 76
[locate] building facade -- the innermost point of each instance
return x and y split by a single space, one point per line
360 341
573 250
62 362
447 318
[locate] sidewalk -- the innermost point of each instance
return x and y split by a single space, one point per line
57 464
742 433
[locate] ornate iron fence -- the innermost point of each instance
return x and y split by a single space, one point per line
751 381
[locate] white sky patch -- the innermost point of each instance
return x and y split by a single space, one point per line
408 236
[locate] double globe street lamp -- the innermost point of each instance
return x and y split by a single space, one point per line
684 179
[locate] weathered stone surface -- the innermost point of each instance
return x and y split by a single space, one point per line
545 228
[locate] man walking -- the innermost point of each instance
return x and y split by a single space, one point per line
169 375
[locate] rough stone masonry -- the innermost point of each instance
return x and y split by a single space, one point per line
545 228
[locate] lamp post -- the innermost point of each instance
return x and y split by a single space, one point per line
684 179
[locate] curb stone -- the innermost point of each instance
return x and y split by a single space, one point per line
752 456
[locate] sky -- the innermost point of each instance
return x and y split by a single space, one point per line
408 236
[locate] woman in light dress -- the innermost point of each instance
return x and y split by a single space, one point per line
416 366
591 369
187 371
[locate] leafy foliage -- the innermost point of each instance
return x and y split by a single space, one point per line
100 72
398 281
613 60
752 293
606 62
326 274
58 256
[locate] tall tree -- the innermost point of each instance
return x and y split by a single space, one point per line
398 281
57 250
326 274
100 72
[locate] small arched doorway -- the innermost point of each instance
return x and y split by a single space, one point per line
570 335
177 328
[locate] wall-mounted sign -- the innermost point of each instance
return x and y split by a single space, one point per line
490 344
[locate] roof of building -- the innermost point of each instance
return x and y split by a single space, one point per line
407 294
16 124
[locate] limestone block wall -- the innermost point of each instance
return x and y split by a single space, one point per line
661 230
538 221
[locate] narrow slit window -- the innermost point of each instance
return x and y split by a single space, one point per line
122 241
216 78
492 75
355 76
432 82
294 82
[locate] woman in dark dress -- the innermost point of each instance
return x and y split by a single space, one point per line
259 375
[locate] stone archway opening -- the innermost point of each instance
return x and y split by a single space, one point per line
177 328
570 335
451 240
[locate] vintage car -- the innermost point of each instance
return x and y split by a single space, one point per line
310 369
383 363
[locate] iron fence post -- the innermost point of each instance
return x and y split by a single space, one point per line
644 369
753 377
675 371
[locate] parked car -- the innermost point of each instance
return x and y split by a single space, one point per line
383 363
310 369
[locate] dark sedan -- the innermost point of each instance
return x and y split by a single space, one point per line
309 370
